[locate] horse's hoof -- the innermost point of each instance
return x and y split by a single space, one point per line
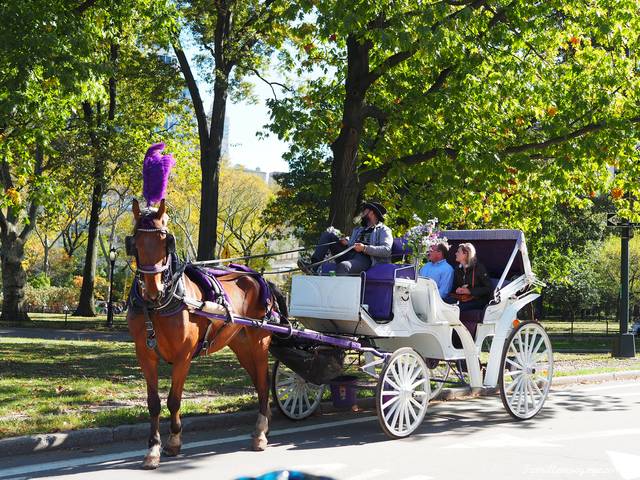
151 463
260 444
173 445
152 459
170 451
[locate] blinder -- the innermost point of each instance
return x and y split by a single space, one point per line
130 245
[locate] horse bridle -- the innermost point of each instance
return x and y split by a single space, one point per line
132 251
169 279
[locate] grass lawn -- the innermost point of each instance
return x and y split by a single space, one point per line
54 385
581 327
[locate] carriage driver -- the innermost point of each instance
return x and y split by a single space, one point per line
371 243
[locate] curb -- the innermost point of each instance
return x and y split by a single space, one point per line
99 436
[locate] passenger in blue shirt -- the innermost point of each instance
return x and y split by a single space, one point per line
438 269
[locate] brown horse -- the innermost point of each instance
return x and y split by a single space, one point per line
174 337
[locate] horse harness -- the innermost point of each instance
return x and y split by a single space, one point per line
173 298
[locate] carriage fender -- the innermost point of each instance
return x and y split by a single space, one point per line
503 329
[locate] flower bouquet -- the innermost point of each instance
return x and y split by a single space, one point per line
421 237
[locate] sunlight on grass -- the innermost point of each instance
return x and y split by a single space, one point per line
53 385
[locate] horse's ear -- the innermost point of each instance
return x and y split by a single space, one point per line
135 208
161 210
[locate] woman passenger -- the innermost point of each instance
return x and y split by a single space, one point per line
471 284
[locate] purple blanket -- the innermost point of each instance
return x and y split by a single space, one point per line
203 277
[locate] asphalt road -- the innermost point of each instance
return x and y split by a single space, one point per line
584 431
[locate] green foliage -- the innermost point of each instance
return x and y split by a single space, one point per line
40 281
581 287
51 299
482 115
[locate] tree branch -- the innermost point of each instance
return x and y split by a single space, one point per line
594 127
33 207
371 111
379 173
387 65
440 79
271 84
194 92
84 6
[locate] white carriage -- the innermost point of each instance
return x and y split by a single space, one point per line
412 339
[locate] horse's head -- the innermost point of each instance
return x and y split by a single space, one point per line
152 245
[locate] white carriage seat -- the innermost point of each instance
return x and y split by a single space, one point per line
430 307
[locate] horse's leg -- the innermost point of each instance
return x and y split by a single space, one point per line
149 365
251 346
178 376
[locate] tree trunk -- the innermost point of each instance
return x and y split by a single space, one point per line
346 189
45 257
86 302
210 154
14 279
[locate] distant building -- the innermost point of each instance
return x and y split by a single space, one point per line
225 138
257 172
272 180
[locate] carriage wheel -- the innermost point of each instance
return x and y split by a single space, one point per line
438 376
403 393
526 370
295 397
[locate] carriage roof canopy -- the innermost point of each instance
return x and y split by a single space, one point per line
502 252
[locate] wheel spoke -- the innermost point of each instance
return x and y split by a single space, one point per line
413 413
417 384
396 415
393 384
286 381
395 376
386 393
391 411
401 417
521 388
415 374
287 402
516 353
512 373
535 385
513 384
416 403
516 389
534 351
515 364
389 402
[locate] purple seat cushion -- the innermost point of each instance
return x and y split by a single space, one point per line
327 268
399 249
378 288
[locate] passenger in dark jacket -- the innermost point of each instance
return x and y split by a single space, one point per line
470 278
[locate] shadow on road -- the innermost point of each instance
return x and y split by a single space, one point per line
454 418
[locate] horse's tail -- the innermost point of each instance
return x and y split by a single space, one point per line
281 301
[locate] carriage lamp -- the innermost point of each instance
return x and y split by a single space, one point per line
113 253
65 309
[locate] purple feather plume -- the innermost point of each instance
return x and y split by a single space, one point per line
155 173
